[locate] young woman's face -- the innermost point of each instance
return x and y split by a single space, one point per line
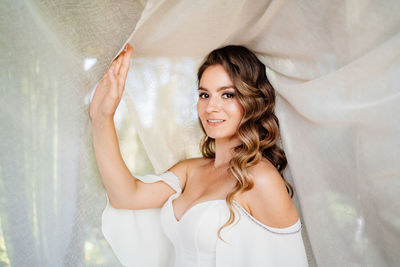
218 107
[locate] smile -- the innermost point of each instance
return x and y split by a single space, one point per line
214 122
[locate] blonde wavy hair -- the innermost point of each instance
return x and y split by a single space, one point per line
259 127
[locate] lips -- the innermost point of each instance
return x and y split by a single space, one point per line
215 122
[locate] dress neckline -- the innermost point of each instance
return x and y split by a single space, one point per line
292 229
190 208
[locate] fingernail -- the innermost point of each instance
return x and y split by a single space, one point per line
126 47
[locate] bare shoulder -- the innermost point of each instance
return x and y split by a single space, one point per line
183 168
269 201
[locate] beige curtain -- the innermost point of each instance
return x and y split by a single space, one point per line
334 64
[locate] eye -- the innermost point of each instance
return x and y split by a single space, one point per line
203 95
228 95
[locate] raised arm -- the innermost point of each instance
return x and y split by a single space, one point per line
117 179
123 189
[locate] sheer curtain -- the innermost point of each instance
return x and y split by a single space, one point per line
335 67
51 198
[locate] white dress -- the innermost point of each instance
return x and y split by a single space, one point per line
156 238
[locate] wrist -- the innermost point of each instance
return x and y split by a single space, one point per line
100 121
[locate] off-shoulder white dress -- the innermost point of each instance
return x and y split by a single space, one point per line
154 237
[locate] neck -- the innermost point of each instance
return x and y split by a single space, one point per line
224 151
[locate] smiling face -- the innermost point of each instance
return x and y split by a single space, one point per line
218 107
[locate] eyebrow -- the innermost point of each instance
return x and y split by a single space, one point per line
219 89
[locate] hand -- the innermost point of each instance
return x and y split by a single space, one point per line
111 87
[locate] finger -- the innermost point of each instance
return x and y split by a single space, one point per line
119 59
125 64
118 63
112 85
111 70
124 71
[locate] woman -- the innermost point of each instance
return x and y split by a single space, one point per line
231 207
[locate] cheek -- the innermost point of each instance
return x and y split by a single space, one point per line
236 110
200 109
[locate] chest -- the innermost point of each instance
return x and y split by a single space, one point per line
203 187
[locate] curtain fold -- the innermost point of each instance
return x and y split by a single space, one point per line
334 66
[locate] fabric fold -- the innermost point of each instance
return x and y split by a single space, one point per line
136 236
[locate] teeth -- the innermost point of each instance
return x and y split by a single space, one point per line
215 120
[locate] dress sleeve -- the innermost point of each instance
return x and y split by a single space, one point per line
248 242
136 236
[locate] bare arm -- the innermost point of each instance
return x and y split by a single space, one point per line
117 179
123 189
269 201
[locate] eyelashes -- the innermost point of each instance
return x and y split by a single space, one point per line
203 95
228 95
224 95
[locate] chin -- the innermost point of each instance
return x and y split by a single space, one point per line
220 135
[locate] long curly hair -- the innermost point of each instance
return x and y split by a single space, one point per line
259 128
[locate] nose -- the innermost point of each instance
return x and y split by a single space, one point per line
214 104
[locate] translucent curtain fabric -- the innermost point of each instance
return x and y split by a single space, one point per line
335 67
51 197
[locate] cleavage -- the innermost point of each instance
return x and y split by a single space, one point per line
205 194
196 204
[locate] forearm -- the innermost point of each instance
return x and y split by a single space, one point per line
117 179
